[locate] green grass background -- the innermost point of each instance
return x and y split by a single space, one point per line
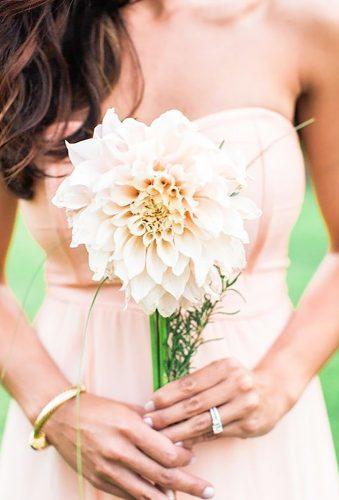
307 247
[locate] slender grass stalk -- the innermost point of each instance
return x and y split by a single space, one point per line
297 128
78 399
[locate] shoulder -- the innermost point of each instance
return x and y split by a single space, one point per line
314 24
309 17
308 10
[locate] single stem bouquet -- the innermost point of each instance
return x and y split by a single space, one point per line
160 209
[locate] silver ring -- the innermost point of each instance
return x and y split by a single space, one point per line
217 426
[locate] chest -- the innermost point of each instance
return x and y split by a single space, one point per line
202 66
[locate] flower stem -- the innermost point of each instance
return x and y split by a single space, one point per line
153 323
159 338
163 349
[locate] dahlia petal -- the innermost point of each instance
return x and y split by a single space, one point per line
105 236
121 235
98 260
134 255
201 270
192 293
133 131
111 122
245 207
188 244
141 286
85 226
121 218
124 195
120 271
233 225
209 216
167 252
154 265
175 285
167 305
89 149
180 265
72 198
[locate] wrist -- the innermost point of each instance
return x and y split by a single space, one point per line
288 379
65 415
37 438
64 419
34 401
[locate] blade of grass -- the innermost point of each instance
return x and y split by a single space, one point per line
278 139
79 384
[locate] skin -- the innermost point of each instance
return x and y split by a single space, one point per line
289 54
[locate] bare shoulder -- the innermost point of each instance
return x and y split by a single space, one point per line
310 17
315 26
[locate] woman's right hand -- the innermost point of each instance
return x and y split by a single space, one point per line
122 455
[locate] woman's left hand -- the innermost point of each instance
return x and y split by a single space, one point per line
250 403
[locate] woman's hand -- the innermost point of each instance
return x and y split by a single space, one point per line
122 455
250 403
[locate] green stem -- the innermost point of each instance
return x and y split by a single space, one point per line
163 350
153 323
159 335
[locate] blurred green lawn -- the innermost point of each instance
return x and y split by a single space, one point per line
308 244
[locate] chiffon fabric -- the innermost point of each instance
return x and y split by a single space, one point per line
296 460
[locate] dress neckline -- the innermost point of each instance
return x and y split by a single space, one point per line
225 113
243 110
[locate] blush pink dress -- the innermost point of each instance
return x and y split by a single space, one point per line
296 460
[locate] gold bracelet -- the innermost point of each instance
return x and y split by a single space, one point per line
37 438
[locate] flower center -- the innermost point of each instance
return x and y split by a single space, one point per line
154 210
157 216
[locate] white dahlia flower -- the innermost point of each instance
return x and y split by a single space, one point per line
159 208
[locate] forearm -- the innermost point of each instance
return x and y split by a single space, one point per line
30 375
311 335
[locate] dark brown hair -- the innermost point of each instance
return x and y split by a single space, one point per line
57 58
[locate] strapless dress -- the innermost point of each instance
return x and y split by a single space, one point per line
295 461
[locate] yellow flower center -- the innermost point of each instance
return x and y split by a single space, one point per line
156 215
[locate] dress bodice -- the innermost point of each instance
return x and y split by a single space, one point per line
276 183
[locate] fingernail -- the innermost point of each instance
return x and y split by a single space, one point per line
150 406
192 461
148 421
179 443
247 383
208 492
170 494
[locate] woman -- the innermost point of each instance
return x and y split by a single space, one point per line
242 70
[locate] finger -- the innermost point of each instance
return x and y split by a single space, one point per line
202 424
218 395
235 429
136 408
159 447
192 384
170 479
201 439
107 487
248 427
129 482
